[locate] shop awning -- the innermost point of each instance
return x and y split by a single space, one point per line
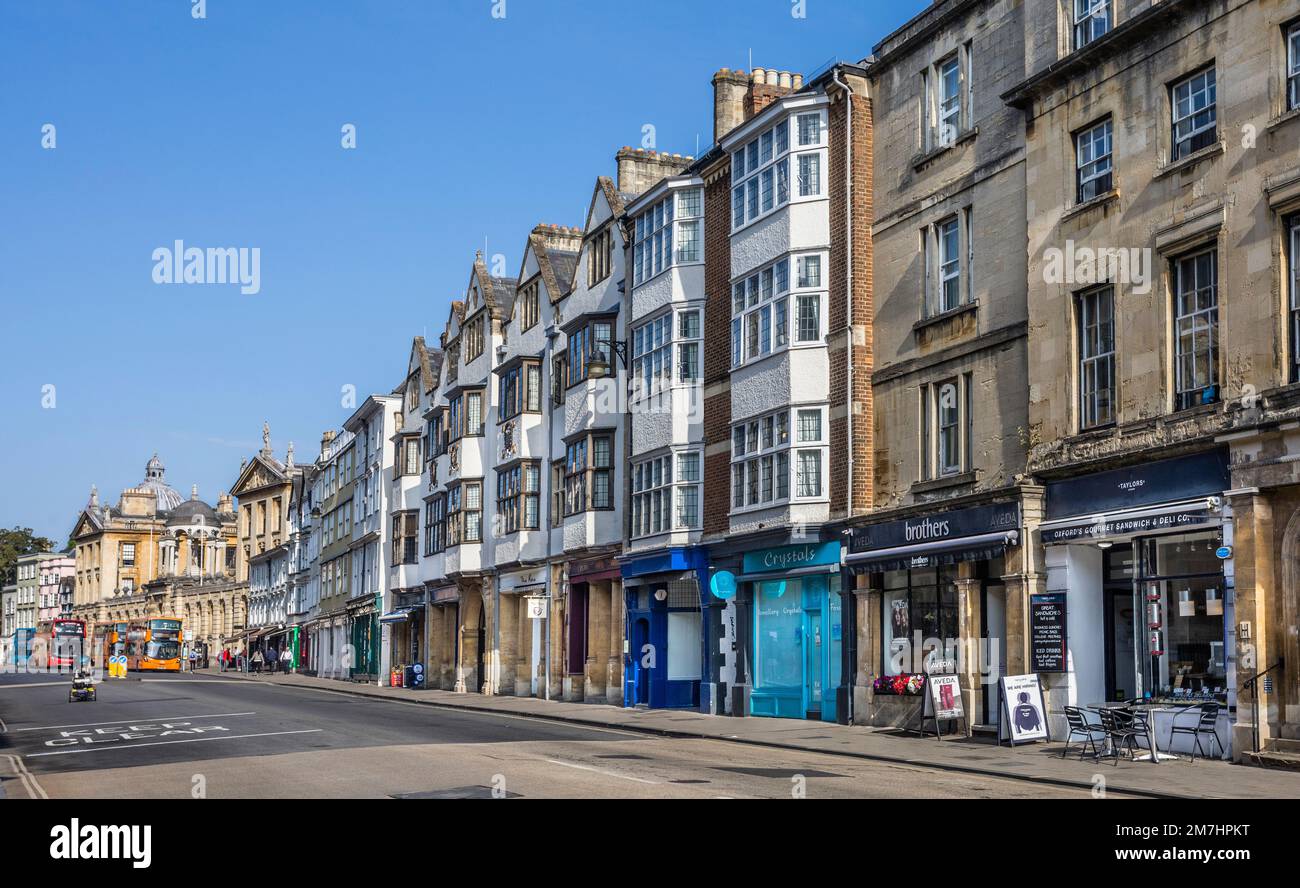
1126 522
969 548
401 614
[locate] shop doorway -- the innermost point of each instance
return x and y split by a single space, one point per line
993 606
812 665
641 675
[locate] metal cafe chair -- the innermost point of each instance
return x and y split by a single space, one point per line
1206 724
1124 730
1089 731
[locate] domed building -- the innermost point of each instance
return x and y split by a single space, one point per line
137 559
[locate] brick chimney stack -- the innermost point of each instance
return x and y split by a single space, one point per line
738 96
325 441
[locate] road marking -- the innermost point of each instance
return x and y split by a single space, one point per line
4 729
225 681
35 684
28 780
170 742
133 721
600 771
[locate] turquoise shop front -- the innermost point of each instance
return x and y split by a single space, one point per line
796 655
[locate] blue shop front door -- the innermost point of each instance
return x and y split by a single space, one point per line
813 654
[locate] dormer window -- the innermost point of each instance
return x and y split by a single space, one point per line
600 255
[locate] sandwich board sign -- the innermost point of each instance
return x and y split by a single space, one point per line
943 701
1023 714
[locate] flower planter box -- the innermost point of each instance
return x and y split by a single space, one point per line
892 711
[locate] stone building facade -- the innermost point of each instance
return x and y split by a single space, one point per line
1163 171
949 338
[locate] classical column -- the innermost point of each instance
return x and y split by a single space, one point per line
1255 604
597 672
614 673
969 630
523 648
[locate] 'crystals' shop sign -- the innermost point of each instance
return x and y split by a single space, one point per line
789 557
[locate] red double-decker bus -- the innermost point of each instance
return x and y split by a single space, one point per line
60 643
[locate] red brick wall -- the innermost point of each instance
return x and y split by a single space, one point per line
850 327
717 348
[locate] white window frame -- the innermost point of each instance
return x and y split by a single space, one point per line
1201 323
1203 85
766 455
935 458
943 126
658 491
766 307
1092 20
651 366
1093 157
1293 66
1096 356
660 231
765 170
1293 285
941 269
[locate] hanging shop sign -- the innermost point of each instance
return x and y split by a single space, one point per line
1162 481
536 605
723 585
1024 717
1047 632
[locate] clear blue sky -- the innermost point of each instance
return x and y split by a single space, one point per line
226 132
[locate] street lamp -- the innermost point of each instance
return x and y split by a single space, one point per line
598 367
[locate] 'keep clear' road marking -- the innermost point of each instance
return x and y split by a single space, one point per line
169 742
171 718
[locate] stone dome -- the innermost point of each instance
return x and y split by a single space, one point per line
154 481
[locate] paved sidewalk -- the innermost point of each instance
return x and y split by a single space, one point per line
1037 762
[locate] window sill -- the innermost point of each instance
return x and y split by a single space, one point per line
1284 118
934 320
1100 200
921 161
1190 160
945 482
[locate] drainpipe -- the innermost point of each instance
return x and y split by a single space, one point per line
848 345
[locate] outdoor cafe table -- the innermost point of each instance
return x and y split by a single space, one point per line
1154 756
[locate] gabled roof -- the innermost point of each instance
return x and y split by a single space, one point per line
555 266
263 470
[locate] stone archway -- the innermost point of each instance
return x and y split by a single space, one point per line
1288 634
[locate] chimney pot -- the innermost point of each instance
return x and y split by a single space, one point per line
759 75
784 80
798 82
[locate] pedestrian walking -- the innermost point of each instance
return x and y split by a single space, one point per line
272 659
286 661
257 660
194 660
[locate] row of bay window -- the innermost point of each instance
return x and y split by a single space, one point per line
761 168
768 313
779 457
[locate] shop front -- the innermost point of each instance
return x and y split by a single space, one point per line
522 613
670 619
442 630
593 636
794 661
363 635
404 630
932 595
1140 558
